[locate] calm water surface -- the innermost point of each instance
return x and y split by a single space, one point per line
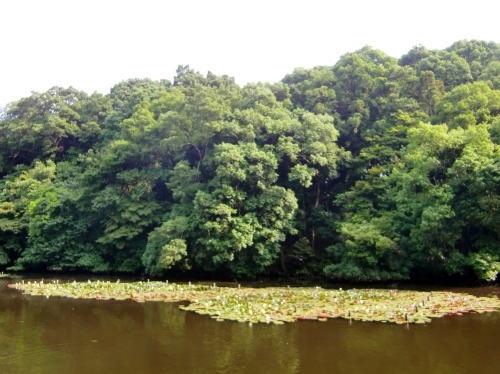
57 335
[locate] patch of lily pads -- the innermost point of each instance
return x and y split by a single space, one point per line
10 276
278 305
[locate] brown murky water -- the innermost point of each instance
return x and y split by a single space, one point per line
57 335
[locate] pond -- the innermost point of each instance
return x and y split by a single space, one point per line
60 335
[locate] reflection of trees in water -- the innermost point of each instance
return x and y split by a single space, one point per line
204 345
241 348
23 333
66 335
164 321
59 335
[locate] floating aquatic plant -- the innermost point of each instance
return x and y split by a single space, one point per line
11 276
278 305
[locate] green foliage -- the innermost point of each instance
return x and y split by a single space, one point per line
166 246
49 124
485 265
243 216
371 169
467 105
369 252
448 67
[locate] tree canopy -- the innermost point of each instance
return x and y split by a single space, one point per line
375 168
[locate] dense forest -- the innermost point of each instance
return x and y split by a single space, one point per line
372 169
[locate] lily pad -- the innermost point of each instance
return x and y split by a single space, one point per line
279 305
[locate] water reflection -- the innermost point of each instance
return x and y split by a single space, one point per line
57 335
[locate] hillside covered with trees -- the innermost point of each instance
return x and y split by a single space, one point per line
372 169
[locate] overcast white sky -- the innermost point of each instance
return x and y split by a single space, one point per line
92 45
